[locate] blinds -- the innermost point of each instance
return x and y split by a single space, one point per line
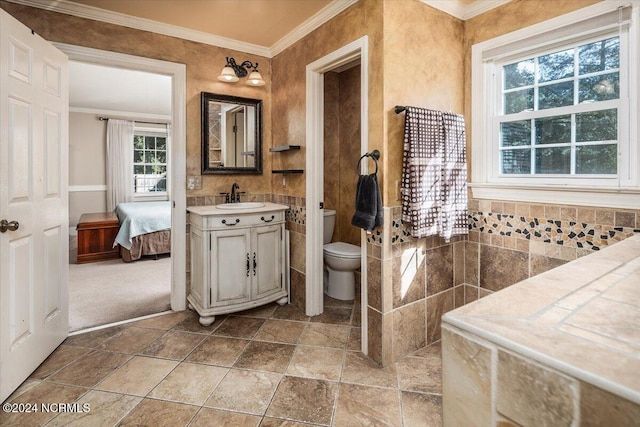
618 18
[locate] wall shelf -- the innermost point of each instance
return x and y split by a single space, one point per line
287 171
284 148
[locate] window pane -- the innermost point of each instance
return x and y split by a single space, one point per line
554 66
521 100
597 159
161 143
138 156
148 156
149 142
556 95
518 75
599 88
159 169
515 133
597 126
516 161
161 156
599 56
138 169
160 185
138 142
148 169
553 130
553 160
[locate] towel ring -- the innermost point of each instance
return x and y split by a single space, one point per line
375 155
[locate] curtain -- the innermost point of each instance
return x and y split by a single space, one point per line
434 173
119 162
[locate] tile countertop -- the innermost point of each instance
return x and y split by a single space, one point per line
582 318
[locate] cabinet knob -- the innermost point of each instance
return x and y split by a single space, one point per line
248 264
224 221
268 220
254 264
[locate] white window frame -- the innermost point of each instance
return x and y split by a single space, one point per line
156 195
487 183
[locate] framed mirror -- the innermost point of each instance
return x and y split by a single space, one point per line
231 134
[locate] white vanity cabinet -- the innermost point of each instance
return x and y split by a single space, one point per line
237 259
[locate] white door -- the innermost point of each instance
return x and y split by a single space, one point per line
34 317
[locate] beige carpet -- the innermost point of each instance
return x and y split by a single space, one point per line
111 291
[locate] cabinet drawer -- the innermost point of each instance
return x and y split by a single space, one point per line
239 221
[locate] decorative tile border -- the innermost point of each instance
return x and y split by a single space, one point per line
400 233
568 233
296 215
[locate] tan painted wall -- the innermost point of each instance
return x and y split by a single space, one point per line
423 67
87 150
203 63
87 162
289 85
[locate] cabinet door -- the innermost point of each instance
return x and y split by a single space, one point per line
267 246
230 267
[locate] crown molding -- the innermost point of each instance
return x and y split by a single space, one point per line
464 11
324 15
97 14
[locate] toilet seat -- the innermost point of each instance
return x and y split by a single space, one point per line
342 250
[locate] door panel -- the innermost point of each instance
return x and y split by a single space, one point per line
229 281
20 147
53 147
54 289
267 247
20 311
33 173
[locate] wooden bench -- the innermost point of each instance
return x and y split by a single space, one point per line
96 233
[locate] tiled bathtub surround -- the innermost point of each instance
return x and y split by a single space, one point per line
556 349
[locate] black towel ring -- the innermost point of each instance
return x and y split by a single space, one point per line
375 155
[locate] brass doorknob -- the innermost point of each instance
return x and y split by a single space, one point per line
8 225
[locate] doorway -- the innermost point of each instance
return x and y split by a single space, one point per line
354 51
176 170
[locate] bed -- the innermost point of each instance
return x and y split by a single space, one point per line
145 229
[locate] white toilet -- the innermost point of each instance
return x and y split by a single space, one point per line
341 260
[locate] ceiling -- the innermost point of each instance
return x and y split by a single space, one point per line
259 22
109 90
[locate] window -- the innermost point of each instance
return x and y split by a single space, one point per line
554 108
559 111
149 163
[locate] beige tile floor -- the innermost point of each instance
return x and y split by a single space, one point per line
270 366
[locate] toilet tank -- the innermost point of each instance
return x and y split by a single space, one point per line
329 224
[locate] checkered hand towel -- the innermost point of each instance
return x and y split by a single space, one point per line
434 174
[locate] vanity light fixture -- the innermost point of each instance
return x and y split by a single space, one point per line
232 72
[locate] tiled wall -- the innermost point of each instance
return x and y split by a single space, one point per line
295 218
412 282
509 242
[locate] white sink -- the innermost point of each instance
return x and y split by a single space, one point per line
241 205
